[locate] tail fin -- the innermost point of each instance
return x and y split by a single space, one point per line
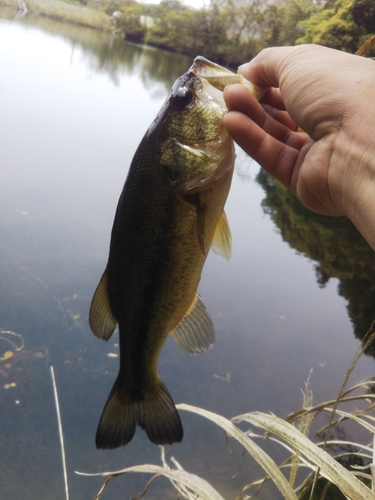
156 414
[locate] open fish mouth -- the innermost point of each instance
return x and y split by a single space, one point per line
212 80
219 77
196 147
209 81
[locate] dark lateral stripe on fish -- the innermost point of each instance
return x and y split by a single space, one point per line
122 257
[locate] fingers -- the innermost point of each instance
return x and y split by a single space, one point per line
281 117
268 139
266 68
325 92
315 83
274 105
273 98
272 65
274 122
274 156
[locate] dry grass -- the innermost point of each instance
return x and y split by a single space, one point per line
74 14
291 434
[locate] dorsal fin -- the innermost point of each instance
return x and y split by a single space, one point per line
102 321
222 242
195 333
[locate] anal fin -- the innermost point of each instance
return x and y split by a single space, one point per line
195 333
102 321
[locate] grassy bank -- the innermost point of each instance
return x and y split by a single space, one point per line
65 12
12 4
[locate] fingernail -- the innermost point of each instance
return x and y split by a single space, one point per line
243 68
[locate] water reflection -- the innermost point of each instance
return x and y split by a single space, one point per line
151 66
113 57
334 243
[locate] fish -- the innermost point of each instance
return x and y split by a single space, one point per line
169 215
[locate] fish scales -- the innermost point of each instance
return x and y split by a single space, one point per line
157 291
169 214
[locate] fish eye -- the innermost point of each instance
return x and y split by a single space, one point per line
183 98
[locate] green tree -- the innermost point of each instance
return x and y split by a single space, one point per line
343 26
128 17
226 32
242 21
213 27
231 32
272 25
363 12
293 14
176 28
242 18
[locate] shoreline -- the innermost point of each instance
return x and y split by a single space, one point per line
61 11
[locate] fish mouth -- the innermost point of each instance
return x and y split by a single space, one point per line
220 77
209 81
213 78
197 108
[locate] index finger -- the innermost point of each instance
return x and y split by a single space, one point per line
277 158
267 67
274 122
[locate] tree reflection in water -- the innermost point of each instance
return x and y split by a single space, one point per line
334 244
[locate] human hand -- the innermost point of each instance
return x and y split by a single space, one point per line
314 130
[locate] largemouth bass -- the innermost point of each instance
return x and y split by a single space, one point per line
169 215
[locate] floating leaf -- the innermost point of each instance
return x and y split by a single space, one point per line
8 386
7 355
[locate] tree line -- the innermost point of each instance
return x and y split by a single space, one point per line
233 31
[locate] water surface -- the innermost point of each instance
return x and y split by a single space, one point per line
297 293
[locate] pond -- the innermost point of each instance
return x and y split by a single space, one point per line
298 293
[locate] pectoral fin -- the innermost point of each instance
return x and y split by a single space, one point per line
102 321
195 333
222 242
